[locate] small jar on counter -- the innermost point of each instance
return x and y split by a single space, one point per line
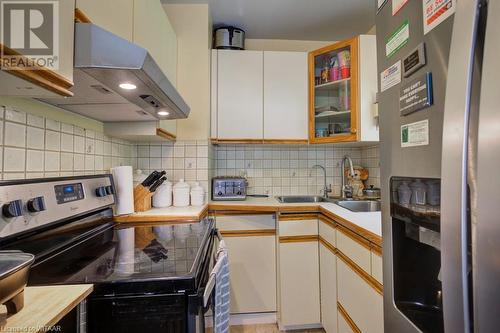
181 194
197 195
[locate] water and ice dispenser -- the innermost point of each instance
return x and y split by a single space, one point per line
415 212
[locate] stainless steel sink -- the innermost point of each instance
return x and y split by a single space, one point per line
301 199
359 205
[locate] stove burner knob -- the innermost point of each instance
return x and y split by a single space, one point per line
101 191
110 190
13 208
36 205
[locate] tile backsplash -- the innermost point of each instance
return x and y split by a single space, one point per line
370 159
188 160
285 170
32 147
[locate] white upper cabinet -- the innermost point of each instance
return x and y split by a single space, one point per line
116 16
259 95
153 31
48 78
143 22
239 94
285 95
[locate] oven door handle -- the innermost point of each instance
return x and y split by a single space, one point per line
209 288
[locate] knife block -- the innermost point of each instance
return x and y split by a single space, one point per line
142 199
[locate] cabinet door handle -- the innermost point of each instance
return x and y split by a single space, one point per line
354 131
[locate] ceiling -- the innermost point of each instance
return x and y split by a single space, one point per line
327 20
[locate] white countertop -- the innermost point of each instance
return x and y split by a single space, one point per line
371 221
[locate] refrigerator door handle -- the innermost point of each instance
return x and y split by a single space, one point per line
454 199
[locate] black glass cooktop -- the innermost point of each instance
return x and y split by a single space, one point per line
128 253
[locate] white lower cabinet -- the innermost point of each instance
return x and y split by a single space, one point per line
252 259
362 303
377 266
343 326
328 280
299 291
299 285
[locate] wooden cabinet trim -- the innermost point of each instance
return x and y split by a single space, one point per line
354 136
355 237
297 217
329 222
370 236
376 249
248 233
81 17
286 141
217 141
327 244
165 134
377 286
220 211
42 77
347 318
294 209
133 218
298 239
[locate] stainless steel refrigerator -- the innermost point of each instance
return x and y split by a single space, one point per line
439 109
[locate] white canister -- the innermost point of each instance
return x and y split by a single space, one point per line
197 195
163 195
181 194
139 177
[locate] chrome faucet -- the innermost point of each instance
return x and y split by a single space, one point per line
346 190
326 189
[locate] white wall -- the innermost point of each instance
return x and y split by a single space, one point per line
193 28
284 45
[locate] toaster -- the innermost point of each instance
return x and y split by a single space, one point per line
229 188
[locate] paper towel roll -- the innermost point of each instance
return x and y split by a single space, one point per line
123 179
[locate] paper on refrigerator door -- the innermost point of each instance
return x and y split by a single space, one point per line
397 5
415 134
436 11
391 76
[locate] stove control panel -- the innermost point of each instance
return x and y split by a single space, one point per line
32 203
68 192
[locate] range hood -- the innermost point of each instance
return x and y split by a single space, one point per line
103 62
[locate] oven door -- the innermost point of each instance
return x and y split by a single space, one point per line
203 301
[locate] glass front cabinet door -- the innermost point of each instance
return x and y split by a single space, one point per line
333 89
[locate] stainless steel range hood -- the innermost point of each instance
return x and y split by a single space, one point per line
103 61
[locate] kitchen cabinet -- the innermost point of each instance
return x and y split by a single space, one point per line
354 247
285 96
259 97
116 16
251 240
239 95
145 23
359 292
43 81
342 92
376 261
328 276
362 303
152 30
298 257
343 324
